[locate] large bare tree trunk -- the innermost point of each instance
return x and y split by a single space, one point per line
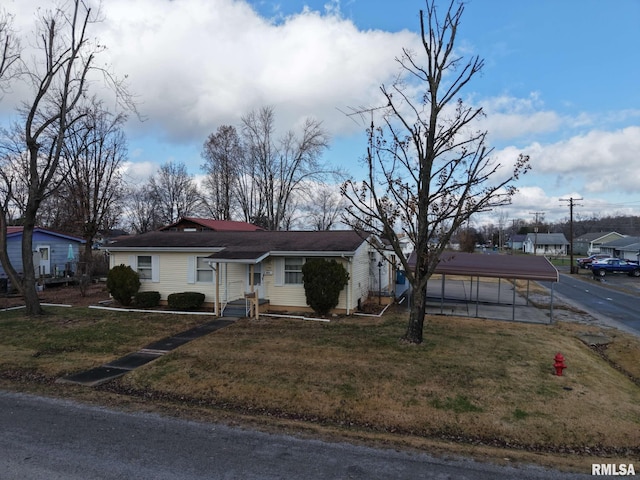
29 291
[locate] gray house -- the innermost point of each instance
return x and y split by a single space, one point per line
545 244
516 241
627 248
590 243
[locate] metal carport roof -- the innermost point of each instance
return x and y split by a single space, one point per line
525 267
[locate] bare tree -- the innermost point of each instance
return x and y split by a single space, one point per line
9 49
141 211
223 155
278 168
93 187
174 192
429 171
325 207
59 77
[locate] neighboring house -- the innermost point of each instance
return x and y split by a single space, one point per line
545 244
590 243
516 241
627 248
193 224
104 237
228 265
55 254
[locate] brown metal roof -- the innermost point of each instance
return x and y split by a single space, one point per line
526 267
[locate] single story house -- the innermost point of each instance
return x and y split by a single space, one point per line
229 266
627 248
545 244
590 243
516 241
54 254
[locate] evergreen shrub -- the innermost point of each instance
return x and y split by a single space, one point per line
185 300
146 299
323 281
123 283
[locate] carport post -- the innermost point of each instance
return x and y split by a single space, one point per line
551 306
513 314
499 285
217 305
442 295
477 294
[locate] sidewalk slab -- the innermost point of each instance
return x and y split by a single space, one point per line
95 376
121 366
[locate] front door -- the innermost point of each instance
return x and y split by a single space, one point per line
257 279
44 264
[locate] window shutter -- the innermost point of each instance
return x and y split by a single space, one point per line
191 269
133 262
155 268
279 271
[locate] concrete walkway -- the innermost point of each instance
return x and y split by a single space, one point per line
151 352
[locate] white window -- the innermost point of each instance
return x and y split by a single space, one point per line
204 273
145 267
293 270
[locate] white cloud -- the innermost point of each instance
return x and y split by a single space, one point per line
197 64
600 161
509 117
137 173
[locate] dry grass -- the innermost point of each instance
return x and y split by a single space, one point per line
474 380
472 386
67 340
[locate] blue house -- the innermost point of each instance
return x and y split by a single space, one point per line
54 254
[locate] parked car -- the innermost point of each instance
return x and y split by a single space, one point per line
615 265
586 262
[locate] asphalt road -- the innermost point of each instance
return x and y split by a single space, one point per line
601 299
55 439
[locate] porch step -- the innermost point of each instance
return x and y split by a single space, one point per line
238 308
233 311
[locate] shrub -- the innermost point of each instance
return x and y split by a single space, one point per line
146 299
323 281
185 300
123 283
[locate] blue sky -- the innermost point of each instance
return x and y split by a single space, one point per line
560 81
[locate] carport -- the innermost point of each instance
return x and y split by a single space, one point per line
494 266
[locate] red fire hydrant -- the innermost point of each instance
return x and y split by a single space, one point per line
559 364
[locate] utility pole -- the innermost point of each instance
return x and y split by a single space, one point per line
535 230
571 200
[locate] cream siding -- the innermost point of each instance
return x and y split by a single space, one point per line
176 273
360 269
284 295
